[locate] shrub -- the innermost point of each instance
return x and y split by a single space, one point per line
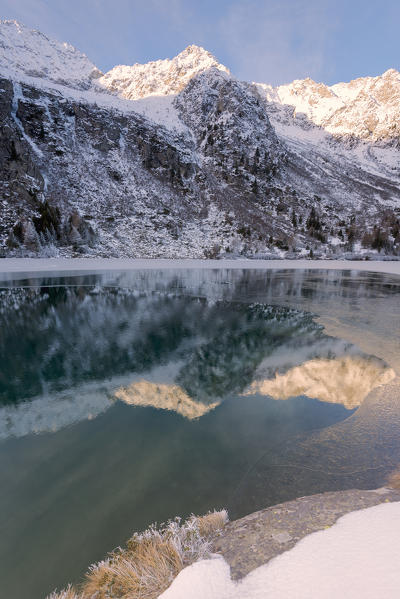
394 480
68 593
150 561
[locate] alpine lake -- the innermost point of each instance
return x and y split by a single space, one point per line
131 397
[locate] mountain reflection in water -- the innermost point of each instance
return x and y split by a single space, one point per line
66 350
164 397
345 380
85 359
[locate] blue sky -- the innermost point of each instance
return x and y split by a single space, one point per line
273 41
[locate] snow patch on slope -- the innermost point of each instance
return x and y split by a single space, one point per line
161 110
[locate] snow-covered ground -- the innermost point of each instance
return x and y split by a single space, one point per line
56 265
357 558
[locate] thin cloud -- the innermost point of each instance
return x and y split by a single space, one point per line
275 41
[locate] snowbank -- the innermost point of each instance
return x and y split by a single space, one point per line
56 265
358 557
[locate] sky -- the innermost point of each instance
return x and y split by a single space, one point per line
271 41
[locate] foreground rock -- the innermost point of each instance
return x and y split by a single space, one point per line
255 539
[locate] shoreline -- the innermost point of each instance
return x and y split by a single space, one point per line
255 539
31 266
243 547
348 554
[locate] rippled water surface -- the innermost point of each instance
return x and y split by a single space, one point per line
131 397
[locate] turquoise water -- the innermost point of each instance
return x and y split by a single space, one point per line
129 398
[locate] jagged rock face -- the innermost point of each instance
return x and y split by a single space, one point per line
161 77
366 108
236 142
216 95
101 169
179 159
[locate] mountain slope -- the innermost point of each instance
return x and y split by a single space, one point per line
26 52
178 158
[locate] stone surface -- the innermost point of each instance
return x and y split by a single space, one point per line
255 539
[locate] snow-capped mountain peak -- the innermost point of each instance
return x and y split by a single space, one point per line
26 52
160 77
179 158
367 107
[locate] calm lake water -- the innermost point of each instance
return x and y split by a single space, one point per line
127 398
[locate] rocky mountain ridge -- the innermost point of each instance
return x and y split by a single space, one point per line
178 158
365 108
29 53
160 77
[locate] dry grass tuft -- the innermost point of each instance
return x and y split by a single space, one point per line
146 571
150 561
68 593
211 522
394 480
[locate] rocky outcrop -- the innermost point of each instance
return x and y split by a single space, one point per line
257 538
